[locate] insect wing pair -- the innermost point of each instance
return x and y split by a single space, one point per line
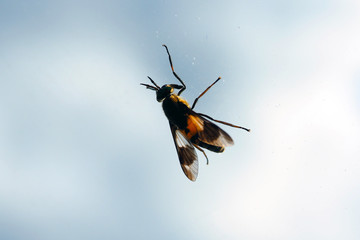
190 129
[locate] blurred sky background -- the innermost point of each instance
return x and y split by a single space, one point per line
87 153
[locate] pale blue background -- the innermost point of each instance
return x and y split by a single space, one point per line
86 152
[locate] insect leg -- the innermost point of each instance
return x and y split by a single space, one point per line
176 86
204 92
222 122
172 69
198 148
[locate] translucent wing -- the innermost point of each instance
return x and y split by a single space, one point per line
186 152
209 133
214 135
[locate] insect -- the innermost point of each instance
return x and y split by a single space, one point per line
190 129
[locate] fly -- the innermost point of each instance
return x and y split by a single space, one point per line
190 129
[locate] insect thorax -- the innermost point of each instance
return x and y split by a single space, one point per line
176 110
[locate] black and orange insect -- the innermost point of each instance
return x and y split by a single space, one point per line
189 128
